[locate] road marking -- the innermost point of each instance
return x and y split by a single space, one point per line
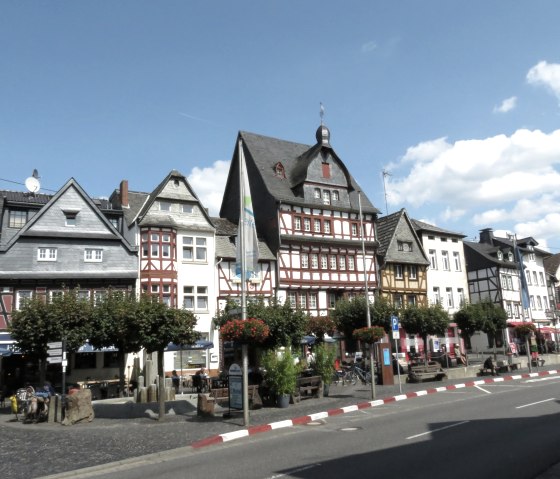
483 390
437 430
534 403
300 469
550 378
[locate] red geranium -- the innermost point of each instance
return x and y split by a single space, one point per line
250 330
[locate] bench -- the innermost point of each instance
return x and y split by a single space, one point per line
537 362
221 395
428 372
505 367
308 386
487 371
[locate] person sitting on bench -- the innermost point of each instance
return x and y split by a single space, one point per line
489 364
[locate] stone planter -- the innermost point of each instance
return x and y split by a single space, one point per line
283 400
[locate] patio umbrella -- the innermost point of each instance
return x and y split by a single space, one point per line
200 344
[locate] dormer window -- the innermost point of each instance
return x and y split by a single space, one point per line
500 255
510 256
326 170
326 197
404 246
335 195
17 219
71 217
164 206
279 170
317 193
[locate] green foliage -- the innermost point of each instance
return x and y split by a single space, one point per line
323 364
286 325
493 317
424 320
351 314
319 326
468 319
281 372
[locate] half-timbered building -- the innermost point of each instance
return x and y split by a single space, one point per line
176 241
307 209
402 261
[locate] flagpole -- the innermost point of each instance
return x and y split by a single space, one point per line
368 314
241 236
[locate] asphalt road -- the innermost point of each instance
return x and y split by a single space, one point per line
506 429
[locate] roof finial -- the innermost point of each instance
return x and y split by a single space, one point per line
322 111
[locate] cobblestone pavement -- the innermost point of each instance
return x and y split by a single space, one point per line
37 450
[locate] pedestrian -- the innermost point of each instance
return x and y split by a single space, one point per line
175 380
489 364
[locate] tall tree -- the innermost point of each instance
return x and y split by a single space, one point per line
159 325
425 321
114 323
468 320
493 320
41 320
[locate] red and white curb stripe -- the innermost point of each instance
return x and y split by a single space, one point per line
230 436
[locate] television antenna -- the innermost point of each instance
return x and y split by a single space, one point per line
385 173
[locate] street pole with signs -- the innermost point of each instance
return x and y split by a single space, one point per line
396 336
56 354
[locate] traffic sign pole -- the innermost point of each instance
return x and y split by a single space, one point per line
396 336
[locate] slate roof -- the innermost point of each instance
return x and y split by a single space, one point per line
422 226
386 226
266 152
487 253
552 263
226 234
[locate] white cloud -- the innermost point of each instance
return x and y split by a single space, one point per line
547 75
491 181
209 185
368 47
507 105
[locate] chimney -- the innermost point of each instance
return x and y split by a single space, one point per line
487 236
124 193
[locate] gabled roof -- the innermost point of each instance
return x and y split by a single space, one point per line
266 152
487 254
156 194
552 263
226 235
421 226
27 230
388 232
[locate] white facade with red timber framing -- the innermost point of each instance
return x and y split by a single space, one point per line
307 211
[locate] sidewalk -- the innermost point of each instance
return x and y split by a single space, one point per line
36 450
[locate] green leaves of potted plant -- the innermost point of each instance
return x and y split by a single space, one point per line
281 375
323 365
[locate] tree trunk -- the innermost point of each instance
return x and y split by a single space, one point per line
426 348
121 360
161 396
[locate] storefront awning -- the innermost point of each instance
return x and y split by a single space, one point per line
198 345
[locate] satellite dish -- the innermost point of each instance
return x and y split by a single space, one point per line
32 184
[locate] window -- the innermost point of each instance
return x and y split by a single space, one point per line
70 218
500 255
411 300
114 222
317 193
188 208
164 206
317 226
332 300
449 297
332 261
539 302
297 223
354 229
188 297
194 249
22 297
99 296
532 300
314 261
398 300
302 301
503 281
304 260
202 298
433 259
335 195
165 250
516 310
292 299
510 256
154 289
541 277
327 226
404 246
83 295
545 301
351 263
46 254
437 297
326 197
413 270
445 260
399 271
144 241
456 261
509 309
17 219
342 262
528 277
509 281
313 300
535 280
324 261
92 255
306 224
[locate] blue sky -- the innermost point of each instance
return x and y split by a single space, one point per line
458 101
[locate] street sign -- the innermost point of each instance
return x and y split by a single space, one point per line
55 345
395 326
54 360
55 352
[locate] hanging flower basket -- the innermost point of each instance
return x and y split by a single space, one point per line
369 334
251 330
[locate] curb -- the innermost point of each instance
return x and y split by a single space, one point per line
251 431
